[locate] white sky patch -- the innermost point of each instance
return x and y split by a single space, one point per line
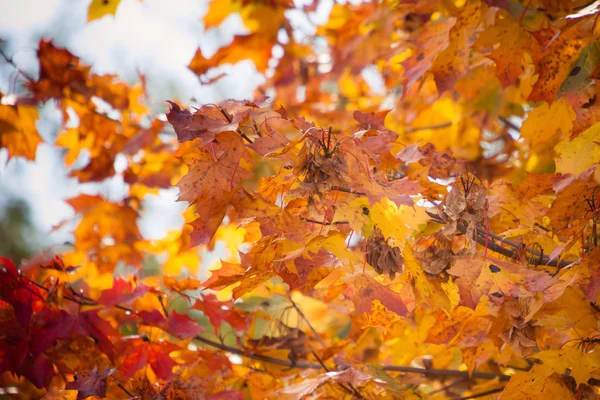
161 214
155 37
373 78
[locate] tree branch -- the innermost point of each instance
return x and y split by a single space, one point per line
424 128
394 368
313 330
314 221
480 237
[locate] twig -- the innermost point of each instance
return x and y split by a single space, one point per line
160 300
346 190
510 124
230 120
351 391
423 128
314 221
9 60
123 388
474 396
444 388
87 301
446 372
481 235
313 330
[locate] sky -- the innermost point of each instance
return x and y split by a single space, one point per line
157 38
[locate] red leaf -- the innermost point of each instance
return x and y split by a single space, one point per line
182 326
139 352
91 324
122 292
219 312
90 383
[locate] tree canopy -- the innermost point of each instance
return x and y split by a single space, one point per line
409 205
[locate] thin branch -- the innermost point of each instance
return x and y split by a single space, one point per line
446 372
313 330
487 392
346 190
314 221
424 128
481 235
85 301
395 368
230 120
160 300
351 391
10 60
510 124
448 386
124 389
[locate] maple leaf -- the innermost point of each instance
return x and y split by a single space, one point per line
367 290
178 325
219 312
122 292
92 383
214 175
100 8
18 133
141 352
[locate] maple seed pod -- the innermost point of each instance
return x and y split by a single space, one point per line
386 259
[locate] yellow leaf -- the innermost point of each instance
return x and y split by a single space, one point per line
435 294
218 10
18 133
573 156
356 213
100 8
397 222
380 316
548 124
523 387
544 379
315 311
61 395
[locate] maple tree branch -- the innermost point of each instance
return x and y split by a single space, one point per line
87 301
352 390
448 386
10 61
424 128
510 124
346 190
314 221
445 372
124 389
481 235
394 368
230 120
313 330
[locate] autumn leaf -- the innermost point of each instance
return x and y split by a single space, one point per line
92 383
18 133
122 292
100 8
